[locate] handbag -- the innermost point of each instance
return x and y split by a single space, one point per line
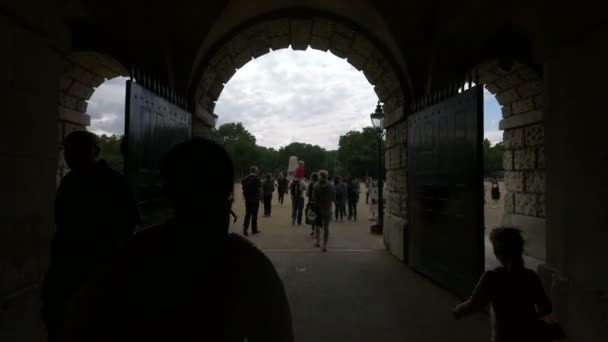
311 213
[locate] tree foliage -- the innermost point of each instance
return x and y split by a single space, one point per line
492 158
358 153
110 151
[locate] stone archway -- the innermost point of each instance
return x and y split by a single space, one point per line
520 92
318 32
83 73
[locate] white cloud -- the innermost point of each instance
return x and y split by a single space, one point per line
306 96
107 107
494 136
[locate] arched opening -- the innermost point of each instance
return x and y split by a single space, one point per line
85 73
315 31
106 108
311 105
518 91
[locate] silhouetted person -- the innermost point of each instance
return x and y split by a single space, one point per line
95 212
282 184
352 192
340 203
324 196
189 279
310 193
515 293
297 201
252 192
495 192
268 189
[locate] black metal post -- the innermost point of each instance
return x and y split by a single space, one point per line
379 227
380 185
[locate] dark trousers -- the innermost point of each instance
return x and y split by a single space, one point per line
251 214
281 197
297 207
352 209
267 205
340 210
367 198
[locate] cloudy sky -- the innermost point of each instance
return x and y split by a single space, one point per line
282 97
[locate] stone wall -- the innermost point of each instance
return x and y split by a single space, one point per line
32 60
395 159
520 92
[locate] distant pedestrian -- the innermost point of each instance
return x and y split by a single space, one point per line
324 196
311 205
495 192
252 192
352 198
282 183
340 203
368 182
517 297
297 201
268 188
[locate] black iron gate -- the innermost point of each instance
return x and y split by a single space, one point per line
153 124
445 190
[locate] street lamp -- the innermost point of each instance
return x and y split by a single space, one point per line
377 118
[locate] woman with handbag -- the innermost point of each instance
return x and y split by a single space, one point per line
519 304
311 210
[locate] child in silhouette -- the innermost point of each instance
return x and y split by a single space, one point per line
514 292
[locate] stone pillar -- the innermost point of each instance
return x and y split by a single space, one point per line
29 93
524 164
395 222
576 173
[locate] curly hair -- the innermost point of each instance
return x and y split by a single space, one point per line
508 242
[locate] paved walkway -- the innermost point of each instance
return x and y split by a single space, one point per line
356 291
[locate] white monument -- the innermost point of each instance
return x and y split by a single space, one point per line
291 167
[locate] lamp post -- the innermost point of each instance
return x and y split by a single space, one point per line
377 118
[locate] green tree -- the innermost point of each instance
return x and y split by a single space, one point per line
110 151
492 157
358 153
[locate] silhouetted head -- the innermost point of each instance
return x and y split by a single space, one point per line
268 176
508 245
199 178
254 170
337 180
80 149
314 177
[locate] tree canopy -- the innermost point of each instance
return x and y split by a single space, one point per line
357 154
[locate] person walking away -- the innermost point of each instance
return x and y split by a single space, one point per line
324 195
95 213
310 194
252 193
495 192
297 201
281 188
268 188
340 203
514 292
368 182
353 198
373 195
188 279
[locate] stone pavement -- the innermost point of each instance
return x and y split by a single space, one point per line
356 291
